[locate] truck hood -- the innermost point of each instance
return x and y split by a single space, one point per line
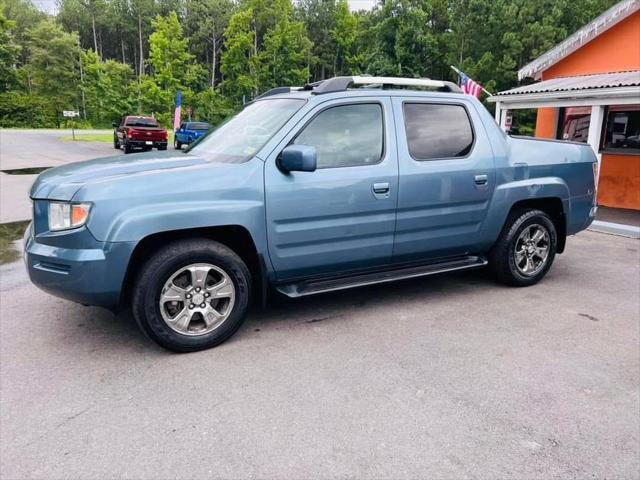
62 183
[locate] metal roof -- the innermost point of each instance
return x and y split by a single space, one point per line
580 82
601 24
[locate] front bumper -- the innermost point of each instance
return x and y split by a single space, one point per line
90 276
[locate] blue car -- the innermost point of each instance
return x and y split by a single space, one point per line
189 132
335 185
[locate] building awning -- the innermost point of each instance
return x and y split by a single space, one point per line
597 89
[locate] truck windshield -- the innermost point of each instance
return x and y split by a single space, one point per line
241 136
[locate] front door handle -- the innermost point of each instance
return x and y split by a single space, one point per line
381 188
481 179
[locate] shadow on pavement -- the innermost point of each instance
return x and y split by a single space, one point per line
119 332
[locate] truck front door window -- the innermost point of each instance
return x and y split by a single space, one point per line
346 135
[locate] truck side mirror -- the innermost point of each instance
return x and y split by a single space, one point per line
298 158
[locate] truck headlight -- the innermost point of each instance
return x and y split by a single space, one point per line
63 216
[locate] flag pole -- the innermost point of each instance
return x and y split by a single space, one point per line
460 74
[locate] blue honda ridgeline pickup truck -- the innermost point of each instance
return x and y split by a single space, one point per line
347 182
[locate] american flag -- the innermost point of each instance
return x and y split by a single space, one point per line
178 112
469 87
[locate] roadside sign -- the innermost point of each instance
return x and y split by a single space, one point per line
71 114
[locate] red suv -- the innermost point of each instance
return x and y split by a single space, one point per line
139 132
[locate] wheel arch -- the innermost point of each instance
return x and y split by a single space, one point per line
235 237
552 206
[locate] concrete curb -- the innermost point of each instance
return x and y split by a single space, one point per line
619 229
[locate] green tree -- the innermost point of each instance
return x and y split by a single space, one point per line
170 65
285 58
319 18
211 106
205 23
343 35
239 62
168 53
24 16
9 53
53 65
108 89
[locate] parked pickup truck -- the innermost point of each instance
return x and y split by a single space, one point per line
307 191
189 132
139 133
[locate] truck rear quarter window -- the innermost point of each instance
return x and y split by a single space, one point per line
437 131
346 135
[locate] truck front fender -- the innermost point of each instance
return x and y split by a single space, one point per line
136 223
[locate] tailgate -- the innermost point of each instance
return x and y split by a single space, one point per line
154 134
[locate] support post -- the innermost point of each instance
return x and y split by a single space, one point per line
498 110
595 131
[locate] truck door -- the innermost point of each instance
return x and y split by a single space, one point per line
447 177
342 216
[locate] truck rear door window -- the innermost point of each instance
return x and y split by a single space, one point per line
437 131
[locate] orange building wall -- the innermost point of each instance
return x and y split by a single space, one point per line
619 184
546 123
617 49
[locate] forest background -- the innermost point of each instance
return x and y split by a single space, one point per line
109 58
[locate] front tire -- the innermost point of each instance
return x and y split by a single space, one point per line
192 295
525 250
177 145
116 143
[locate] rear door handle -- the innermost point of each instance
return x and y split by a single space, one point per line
381 188
481 179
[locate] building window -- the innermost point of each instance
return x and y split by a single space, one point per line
575 124
622 131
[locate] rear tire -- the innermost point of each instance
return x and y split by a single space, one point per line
177 145
178 324
116 143
525 250
127 148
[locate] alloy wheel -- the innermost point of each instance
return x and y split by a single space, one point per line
197 299
531 250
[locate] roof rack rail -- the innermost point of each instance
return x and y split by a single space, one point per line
340 84
277 90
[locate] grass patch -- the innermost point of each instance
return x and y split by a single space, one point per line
90 137
9 233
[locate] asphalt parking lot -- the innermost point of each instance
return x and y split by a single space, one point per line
444 377
21 149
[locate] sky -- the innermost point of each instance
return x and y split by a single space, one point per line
51 5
